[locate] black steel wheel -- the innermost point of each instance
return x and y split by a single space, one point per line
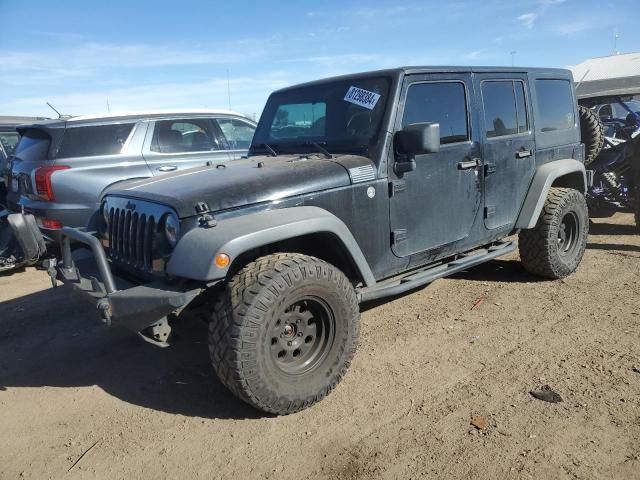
555 246
283 332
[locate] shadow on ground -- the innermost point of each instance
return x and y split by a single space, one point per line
492 271
612 229
53 338
613 247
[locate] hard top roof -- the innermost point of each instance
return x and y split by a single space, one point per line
408 70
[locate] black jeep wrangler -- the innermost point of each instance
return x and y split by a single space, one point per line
355 188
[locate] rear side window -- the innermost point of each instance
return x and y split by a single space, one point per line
505 111
555 105
444 103
33 146
237 133
184 135
94 140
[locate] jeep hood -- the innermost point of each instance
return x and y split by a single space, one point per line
248 181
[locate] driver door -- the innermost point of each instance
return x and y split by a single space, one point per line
437 204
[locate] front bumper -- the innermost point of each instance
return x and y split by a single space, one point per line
119 301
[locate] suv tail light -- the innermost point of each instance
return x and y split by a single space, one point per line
43 181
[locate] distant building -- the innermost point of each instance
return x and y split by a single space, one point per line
612 75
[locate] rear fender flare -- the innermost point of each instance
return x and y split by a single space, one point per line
569 172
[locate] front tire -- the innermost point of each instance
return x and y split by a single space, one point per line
555 246
284 331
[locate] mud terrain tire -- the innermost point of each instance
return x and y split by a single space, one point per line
592 132
283 332
555 246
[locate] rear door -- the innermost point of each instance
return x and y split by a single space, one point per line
508 146
180 143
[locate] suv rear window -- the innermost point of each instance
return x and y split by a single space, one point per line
505 111
33 146
94 140
555 105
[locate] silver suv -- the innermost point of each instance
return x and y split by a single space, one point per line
61 168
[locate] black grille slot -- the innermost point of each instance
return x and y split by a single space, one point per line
131 238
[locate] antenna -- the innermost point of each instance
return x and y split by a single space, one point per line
615 41
228 89
108 106
51 107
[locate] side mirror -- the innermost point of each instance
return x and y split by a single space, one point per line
418 139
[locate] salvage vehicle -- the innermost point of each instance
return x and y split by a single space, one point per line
61 168
9 138
356 188
616 166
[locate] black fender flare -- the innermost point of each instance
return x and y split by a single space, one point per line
544 178
193 257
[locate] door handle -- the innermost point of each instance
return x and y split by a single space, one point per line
523 153
467 164
167 168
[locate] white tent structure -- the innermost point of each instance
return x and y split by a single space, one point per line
605 76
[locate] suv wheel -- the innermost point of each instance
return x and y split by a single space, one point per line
555 246
284 331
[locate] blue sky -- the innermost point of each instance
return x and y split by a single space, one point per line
79 55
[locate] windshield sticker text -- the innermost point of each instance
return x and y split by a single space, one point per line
364 98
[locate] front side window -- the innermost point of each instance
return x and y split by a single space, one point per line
439 102
555 105
342 116
505 108
182 136
237 133
94 140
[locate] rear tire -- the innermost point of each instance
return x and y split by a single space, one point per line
555 246
284 331
592 132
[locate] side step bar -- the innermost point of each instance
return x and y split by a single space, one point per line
428 275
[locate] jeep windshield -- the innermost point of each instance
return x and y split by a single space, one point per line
343 116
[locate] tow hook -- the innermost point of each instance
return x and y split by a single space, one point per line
104 309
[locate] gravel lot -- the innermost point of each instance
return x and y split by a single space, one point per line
468 346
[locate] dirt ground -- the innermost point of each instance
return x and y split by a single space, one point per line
428 362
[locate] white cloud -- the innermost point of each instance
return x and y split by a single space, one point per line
528 19
247 96
477 54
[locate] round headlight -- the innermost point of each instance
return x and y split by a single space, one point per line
171 229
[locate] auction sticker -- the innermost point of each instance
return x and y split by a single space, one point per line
362 97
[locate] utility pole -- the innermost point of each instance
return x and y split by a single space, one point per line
615 41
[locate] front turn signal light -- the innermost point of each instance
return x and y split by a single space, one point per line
222 260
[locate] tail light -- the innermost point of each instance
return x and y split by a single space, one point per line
43 181
50 224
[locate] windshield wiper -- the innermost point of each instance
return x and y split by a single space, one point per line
323 150
268 148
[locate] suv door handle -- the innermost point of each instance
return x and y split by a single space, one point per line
467 164
523 153
167 168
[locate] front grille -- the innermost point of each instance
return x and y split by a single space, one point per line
131 237
133 240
